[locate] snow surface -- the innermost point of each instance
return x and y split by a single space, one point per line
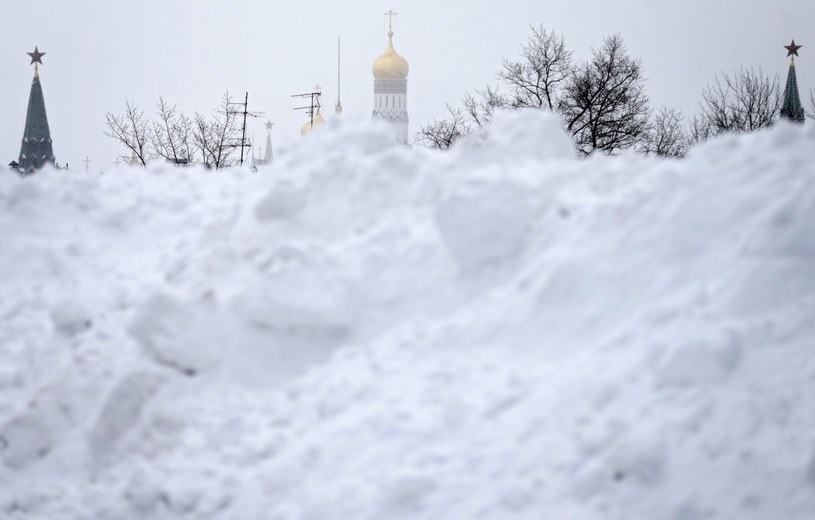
366 331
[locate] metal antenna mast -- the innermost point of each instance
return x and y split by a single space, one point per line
314 107
338 108
243 142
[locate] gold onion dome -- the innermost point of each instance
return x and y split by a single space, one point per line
390 65
318 120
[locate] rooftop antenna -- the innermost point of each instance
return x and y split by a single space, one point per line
314 107
338 108
244 143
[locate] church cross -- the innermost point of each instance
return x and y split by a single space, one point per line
390 14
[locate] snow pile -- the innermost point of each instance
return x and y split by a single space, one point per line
365 331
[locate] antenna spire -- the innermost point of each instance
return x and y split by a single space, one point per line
338 108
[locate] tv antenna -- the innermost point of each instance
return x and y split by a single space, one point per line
243 143
314 107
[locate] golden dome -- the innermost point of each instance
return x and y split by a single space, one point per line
308 127
390 65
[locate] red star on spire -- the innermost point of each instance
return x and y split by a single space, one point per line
792 49
36 56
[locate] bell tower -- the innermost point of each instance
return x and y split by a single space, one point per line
390 72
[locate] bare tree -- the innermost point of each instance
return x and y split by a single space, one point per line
602 101
743 102
170 134
185 131
604 105
131 130
202 137
700 130
812 104
442 133
215 137
479 107
666 136
536 79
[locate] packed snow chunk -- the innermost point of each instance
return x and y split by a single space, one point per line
524 135
415 334
25 439
790 223
121 415
71 317
810 470
486 220
306 296
185 338
701 362
144 492
641 457
404 495
284 200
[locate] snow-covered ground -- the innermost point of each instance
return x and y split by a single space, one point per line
365 331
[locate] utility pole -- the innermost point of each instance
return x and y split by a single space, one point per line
87 162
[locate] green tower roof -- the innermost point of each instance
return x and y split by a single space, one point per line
791 108
36 150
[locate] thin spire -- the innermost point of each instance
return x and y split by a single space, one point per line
37 149
338 108
268 155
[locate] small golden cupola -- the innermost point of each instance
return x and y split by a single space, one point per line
309 126
390 65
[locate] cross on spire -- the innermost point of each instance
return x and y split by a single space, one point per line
390 14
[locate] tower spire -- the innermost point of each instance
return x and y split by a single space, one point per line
268 156
791 108
338 108
36 150
390 72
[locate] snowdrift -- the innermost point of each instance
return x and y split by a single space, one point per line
365 331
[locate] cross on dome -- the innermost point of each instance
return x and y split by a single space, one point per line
390 14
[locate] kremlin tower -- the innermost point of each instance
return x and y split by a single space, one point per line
791 108
390 87
36 150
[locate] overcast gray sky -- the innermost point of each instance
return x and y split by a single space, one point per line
100 52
